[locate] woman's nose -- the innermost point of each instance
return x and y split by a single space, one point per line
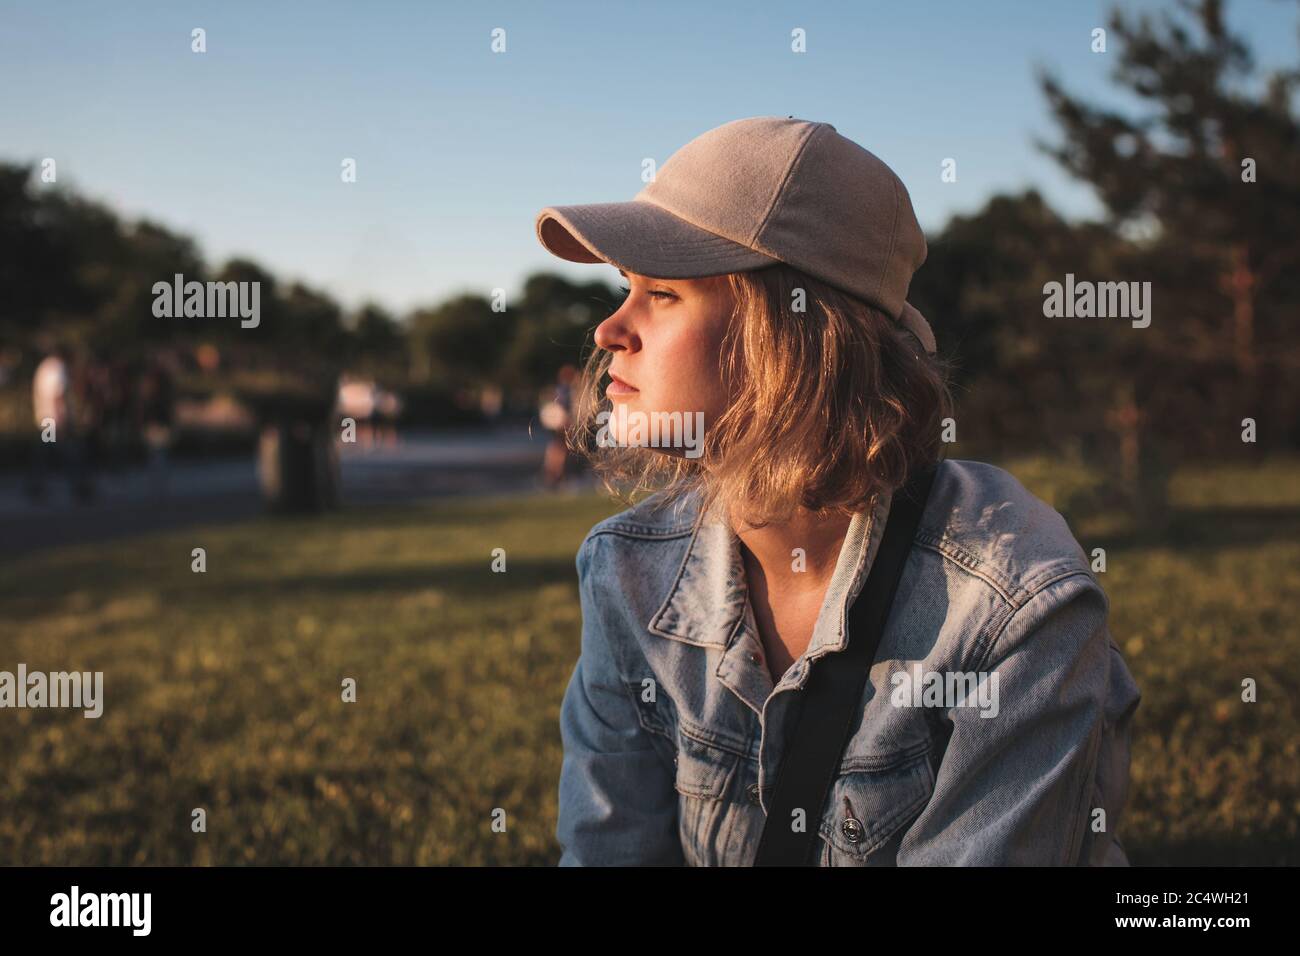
615 335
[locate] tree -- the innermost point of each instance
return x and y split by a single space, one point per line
377 336
462 339
1211 171
556 319
1024 382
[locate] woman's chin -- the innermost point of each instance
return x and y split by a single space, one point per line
676 434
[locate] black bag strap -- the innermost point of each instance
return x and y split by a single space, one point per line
832 697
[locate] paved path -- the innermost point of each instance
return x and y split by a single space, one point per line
420 466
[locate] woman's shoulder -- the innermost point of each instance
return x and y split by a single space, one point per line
659 517
629 562
642 534
982 518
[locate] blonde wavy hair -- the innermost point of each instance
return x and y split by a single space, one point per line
829 406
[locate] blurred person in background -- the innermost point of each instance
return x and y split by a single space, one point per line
556 416
116 425
388 408
91 384
54 406
154 403
357 399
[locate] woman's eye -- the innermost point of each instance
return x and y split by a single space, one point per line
654 293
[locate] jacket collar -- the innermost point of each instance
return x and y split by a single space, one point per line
707 601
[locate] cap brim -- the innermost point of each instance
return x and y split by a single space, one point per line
640 237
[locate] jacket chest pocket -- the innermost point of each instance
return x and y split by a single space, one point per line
869 808
701 770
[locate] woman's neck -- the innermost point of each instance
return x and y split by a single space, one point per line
788 566
799 552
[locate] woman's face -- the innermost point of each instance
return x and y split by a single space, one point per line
666 341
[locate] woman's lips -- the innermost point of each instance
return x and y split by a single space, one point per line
619 387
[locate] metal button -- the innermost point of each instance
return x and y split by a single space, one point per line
852 829
752 792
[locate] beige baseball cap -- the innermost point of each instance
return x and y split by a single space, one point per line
754 192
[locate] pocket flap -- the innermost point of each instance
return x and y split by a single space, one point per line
702 770
867 807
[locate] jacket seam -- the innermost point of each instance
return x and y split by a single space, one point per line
1056 570
1042 589
898 759
1016 594
1006 606
947 549
1074 851
643 533
690 729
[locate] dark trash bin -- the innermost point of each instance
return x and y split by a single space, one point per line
297 458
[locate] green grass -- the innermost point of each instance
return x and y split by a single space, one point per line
223 689
1196 610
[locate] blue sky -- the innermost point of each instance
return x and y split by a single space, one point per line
457 148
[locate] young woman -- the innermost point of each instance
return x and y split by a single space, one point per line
767 266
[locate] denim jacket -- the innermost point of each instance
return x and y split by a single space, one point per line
673 730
